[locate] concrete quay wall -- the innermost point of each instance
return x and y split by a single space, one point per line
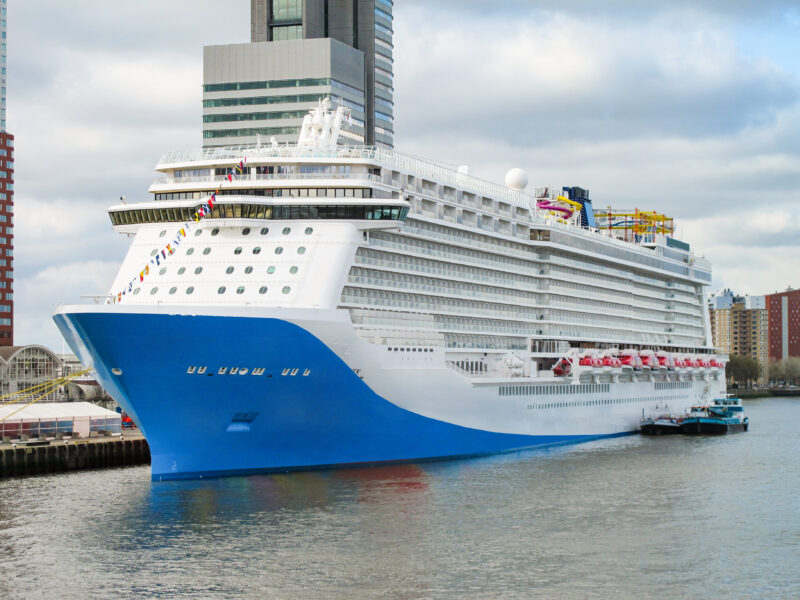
58 458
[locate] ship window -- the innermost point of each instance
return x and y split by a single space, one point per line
229 270
182 270
285 372
309 230
162 271
244 371
294 270
264 230
163 233
278 250
190 290
198 233
222 370
136 291
153 291
191 370
287 230
172 290
202 370
234 370
307 372
206 251
248 270
154 252
215 231
246 231
240 289
256 250
221 290
198 270
262 290
270 270
189 251
286 290
238 250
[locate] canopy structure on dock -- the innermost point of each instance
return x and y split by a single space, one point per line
49 420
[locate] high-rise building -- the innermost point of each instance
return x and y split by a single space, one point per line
6 199
784 324
300 52
739 327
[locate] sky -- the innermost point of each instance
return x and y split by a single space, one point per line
688 107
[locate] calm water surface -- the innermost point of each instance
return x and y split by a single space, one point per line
630 517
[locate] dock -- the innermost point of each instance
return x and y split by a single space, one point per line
58 456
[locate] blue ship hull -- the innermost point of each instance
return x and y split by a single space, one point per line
213 424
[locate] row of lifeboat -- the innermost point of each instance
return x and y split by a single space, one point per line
635 360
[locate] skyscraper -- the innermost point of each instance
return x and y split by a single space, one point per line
300 52
739 327
6 200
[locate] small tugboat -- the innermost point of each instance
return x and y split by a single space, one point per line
724 415
662 425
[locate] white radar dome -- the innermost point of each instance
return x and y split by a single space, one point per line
517 179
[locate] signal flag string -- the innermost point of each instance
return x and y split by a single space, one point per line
201 212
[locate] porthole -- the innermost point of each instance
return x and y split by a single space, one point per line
244 371
248 270
163 233
229 270
240 289
256 250
264 230
286 290
270 270
198 270
190 290
136 291
262 290
116 371
246 231
287 230
172 291
278 250
221 289
206 251
182 270
215 231
238 250
154 291
198 233
162 271
189 251
294 270
301 250
309 230
154 252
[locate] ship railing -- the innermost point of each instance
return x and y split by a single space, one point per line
267 177
468 372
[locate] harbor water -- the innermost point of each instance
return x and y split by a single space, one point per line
631 517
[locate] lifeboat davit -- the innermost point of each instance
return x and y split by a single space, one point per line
665 361
648 360
562 368
630 360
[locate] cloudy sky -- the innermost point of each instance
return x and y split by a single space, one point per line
689 107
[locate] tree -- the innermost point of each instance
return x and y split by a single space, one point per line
785 371
742 370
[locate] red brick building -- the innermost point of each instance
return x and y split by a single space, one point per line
783 312
6 239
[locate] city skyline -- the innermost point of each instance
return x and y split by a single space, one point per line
692 112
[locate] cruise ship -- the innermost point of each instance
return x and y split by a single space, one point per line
340 305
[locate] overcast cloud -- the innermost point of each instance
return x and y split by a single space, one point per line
690 107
